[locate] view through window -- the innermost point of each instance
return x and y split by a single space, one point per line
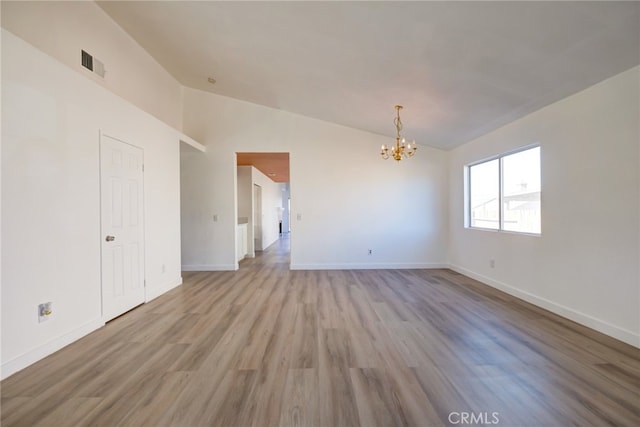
504 192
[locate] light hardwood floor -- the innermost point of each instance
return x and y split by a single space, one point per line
265 346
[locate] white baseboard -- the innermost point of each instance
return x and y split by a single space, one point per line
210 267
153 292
12 366
589 321
381 266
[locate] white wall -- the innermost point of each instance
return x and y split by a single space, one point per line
51 117
63 28
245 204
585 264
245 187
207 244
348 198
284 189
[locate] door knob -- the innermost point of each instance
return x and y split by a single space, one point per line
110 238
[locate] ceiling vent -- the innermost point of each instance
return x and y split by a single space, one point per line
93 64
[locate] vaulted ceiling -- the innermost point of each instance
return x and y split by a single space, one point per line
461 69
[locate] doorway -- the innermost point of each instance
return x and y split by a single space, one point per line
122 226
262 200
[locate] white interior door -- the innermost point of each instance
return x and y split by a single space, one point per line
121 182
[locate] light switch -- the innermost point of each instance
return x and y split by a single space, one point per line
299 216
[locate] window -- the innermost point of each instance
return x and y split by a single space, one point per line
504 192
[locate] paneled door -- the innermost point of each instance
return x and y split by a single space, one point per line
121 186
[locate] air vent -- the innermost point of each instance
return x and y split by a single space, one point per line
87 61
93 64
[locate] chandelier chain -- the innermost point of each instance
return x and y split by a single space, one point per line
398 124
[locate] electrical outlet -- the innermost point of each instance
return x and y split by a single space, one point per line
370 251
492 263
163 269
44 311
215 218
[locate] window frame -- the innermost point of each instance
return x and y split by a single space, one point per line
467 193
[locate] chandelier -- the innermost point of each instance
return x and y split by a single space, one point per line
401 149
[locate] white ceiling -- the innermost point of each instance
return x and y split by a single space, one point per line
461 69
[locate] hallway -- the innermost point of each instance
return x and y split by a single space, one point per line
278 255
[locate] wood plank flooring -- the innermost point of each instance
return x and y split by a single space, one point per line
265 346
